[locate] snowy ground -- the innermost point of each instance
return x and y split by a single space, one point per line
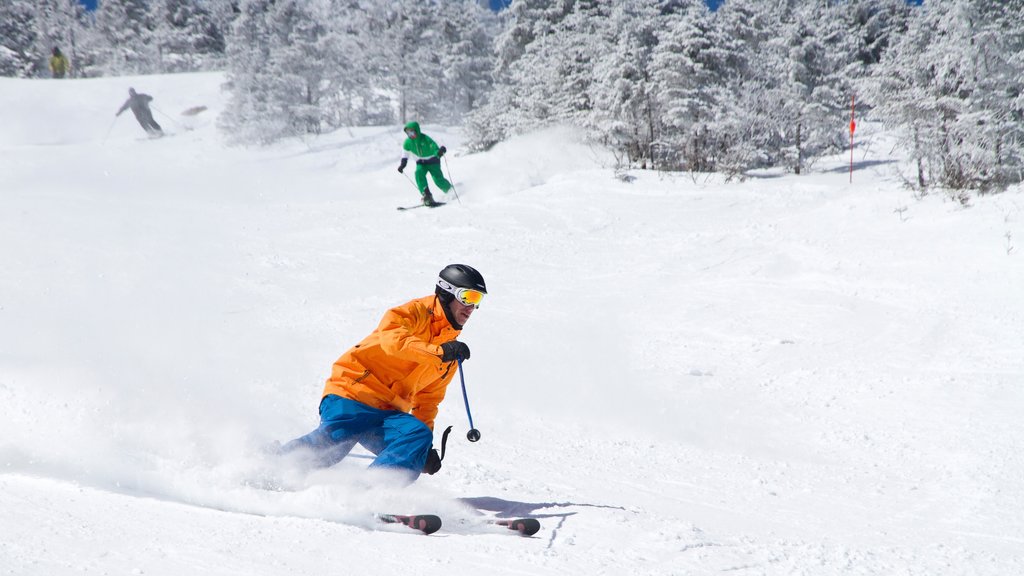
677 375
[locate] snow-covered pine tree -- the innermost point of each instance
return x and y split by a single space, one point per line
62 24
350 95
466 57
297 66
875 24
525 76
396 55
186 36
577 41
899 95
125 27
526 19
251 115
417 72
623 92
952 86
19 55
545 72
222 14
740 119
689 67
811 89
991 132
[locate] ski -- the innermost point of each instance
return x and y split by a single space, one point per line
435 205
426 523
430 523
524 526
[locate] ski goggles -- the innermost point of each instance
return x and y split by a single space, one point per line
467 296
410 133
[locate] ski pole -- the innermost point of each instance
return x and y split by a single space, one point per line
107 135
173 121
450 179
473 435
413 184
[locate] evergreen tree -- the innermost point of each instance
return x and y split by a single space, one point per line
19 55
61 24
251 115
350 96
403 51
876 24
688 67
952 85
421 71
790 84
624 92
518 102
814 89
186 36
467 58
126 27
297 64
527 20
294 69
549 79
741 119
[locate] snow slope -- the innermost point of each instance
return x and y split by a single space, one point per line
677 375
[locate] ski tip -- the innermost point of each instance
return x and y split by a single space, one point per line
525 526
426 523
434 205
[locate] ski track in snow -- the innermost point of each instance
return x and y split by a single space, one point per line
677 375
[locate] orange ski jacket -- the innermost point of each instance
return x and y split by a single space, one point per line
398 366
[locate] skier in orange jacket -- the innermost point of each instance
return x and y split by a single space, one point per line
384 392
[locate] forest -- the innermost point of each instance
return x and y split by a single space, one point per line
665 84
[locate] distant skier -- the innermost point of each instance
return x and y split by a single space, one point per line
384 392
428 159
59 65
139 103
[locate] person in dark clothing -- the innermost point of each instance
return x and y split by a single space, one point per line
139 103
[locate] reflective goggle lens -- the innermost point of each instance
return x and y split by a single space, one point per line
470 297
467 296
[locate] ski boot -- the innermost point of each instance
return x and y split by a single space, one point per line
428 199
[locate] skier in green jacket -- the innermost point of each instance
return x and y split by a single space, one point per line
428 159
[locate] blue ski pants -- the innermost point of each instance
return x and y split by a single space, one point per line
399 440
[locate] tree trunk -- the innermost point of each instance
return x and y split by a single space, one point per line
799 151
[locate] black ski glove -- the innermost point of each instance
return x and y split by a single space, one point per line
433 462
441 151
454 350
401 165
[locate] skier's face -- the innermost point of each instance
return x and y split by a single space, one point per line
410 133
461 312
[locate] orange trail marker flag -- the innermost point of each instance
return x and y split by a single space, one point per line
853 126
